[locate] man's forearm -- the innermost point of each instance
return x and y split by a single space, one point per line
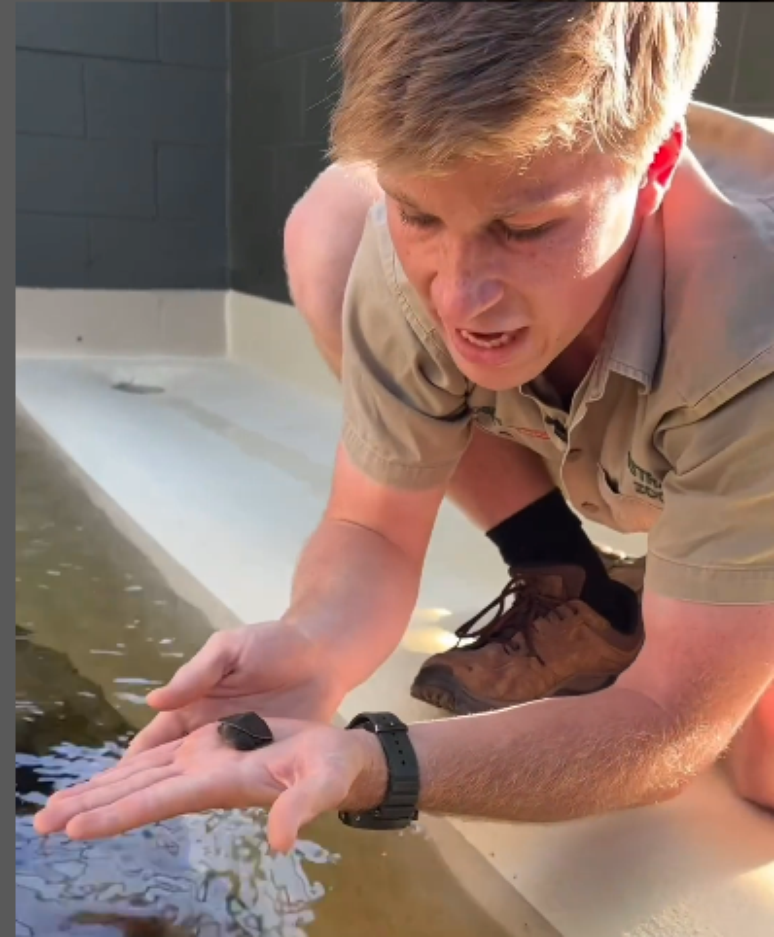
353 595
548 761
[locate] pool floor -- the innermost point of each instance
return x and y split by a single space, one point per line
96 627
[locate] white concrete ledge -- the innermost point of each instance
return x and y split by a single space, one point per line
272 338
85 323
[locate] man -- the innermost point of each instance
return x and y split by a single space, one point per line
556 297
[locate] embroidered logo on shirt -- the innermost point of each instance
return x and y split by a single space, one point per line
644 483
533 433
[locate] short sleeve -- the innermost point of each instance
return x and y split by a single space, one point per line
714 542
406 418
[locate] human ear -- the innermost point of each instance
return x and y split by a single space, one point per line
658 177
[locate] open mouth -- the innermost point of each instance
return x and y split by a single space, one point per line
489 339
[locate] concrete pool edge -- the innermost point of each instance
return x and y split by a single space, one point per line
720 870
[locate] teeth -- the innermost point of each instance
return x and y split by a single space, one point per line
503 339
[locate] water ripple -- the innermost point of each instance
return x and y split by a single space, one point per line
205 872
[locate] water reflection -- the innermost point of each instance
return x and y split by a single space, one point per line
209 873
150 882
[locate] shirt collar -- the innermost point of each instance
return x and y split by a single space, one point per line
632 343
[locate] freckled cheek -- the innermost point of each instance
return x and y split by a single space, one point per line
559 281
589 250
603 237
533 267
537 277
418 263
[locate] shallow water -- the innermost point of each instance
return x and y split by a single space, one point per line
96 627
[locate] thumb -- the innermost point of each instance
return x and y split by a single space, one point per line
196 678
300 804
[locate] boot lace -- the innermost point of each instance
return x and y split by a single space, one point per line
516 609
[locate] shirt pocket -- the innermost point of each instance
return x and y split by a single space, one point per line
631 515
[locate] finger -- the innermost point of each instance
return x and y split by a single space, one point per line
55 816
196 678
156 758
166 727
162 801
302 803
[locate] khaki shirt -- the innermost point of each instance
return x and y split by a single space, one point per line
672 430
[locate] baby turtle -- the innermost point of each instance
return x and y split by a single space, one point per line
245 732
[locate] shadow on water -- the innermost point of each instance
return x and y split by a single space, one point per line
97 626
57 711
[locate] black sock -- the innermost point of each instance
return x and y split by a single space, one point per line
548 532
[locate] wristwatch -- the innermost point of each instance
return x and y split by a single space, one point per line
399 808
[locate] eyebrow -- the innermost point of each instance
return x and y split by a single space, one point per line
504 211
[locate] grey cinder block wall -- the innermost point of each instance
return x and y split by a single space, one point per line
283 87
741 75
121 145
136 168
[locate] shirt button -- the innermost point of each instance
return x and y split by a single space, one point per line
574 455
590 507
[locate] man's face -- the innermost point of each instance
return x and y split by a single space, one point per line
514 267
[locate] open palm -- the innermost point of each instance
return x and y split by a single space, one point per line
308 770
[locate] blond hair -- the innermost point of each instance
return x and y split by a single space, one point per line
426 84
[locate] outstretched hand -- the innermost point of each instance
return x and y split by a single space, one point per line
308 770
271 668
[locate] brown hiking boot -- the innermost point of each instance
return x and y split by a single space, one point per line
542 641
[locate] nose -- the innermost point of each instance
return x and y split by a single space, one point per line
464 286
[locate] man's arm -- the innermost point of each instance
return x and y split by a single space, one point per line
700 675
668 718
357 580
